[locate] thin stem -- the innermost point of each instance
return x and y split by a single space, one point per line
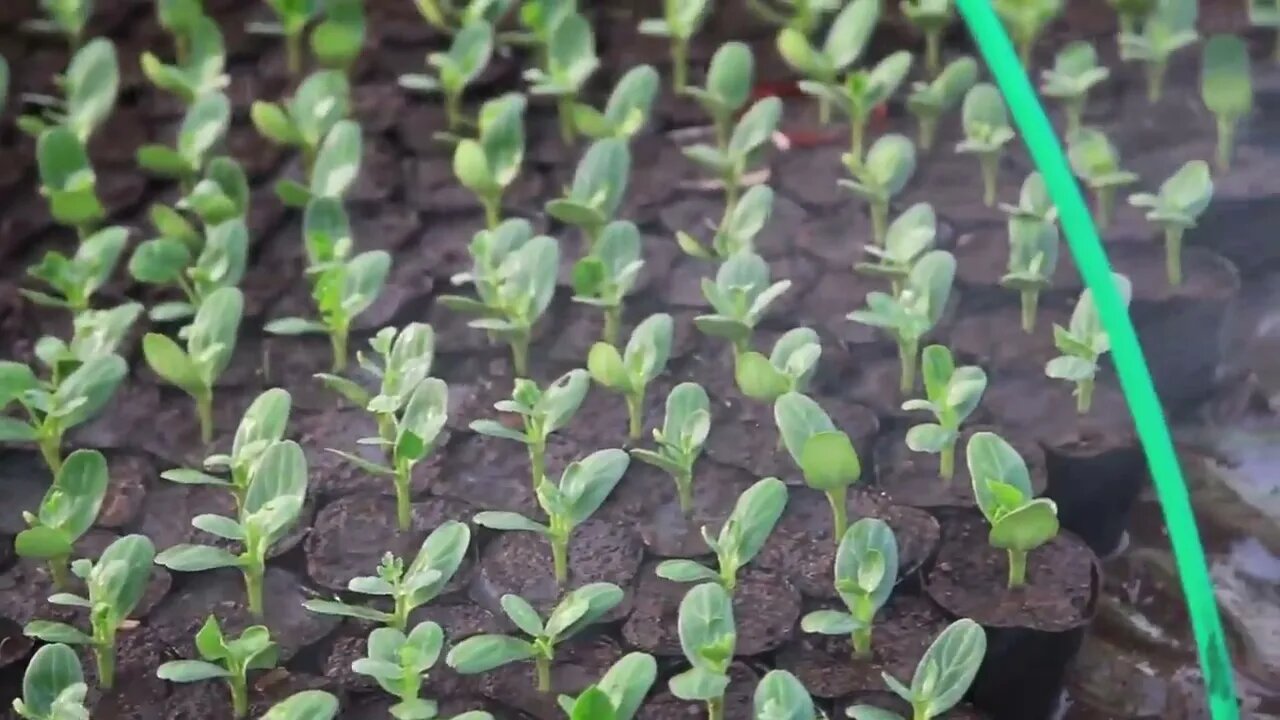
612 324
400 613
180 48
857 128
239 696
679 64
933 51
338 345
537 463
721 125
253 589
1030 301
1084 395
824 109
293 52
990 162
492 211
1073 108
104 654
404 510
51 452
922 711
740 347
839 513
58 571
731 188
560 559
1025 42
453 110
928 130
204 411
907 351
879 220
1226 142
1017 568
715 709
1155 80
1173 253
1106 200
862 642
635 416
947 461
520 354
542 666
684 491
564 109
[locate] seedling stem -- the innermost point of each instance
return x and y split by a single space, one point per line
560 559
253 588
635 416
543 667
537 462
857 128
403 508
104 654
908 350
679 64
520 354
293 48
58 571
453 111
1226 141
1106 200
338 343
684 491
50 450
839 515
1084 396
1030 300
1017 568
947 462
1173 254
1073 107
564 108
990 162
204 411
1155 80
879 221
715 709
933 51
492 212
239 699
612 324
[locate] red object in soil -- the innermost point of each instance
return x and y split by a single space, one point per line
809 137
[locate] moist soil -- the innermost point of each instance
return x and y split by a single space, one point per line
662 705
576 666
993 337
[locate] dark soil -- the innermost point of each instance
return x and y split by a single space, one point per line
662 705
982 259
576 666
893 703
667 532
170 508
993 338
1046 408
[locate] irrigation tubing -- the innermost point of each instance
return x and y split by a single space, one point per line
1082 237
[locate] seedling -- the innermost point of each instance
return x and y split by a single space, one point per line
866 570
932 18
489 164
824 454
951 395
1170 29
740 295
63 17
1074 73
942 676
1034 204
618 694
929 101
1266 13
789 368
342 286
780 696
68 510
582 489
202 129
94 333
910 236
606 276
845 42
1020 522
221 195
226 659
542 412
1026 19
401 360
277 489
336 167
305 705
68 182
627 110
802 15
684 431
707 637
745 148
1227 88
889 166
580 608
738 228
861 93
399 663
1082 343
630 372
1133 14
1096 161
53 686
1182 198
599 183
467 57
741 537
538 20
1033 258
728 88
680 20
448 17
336 41
914 311
489 248
89 89
201 62
197 267
73 280
986 131
305 120
115 584
180 18
292 19
570 60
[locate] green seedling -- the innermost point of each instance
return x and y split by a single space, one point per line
115 584
221 195
1019 521
67 18
93 333
931 18
66 512
72 281
578 609
844 44
180 18
399 662
1170 29
728 88
401 361
89 90
1182 198
306 119
1026 20
1133 14
582 489
489 164
539 19
277 489
201 66
1074 73
542 412
986 132
888 167
618 694
910 236
861 93
336 167
305 705
741 537
802 15
1096 161
210 345
626 112
630 372
680 21
438 559
1082 343
866 570
448 17
599 182
707 638
781 696
203 127
570 61
1266 13
342 285
489 249
824 454
1227 89
740 295
789 368
293 17
606 276
951 395
744 149
53 686
227 659
929 101
1034 204
942 676
68 182
738 228
454 70
196 267
684 431
1033 258
914 311
337 40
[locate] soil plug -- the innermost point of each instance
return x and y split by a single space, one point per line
1034 247
277 491
680 21
789 368
468 55
1019 521
337 40
952 394
1026 20
627 110
986 130
399 663
888 167
201 54
825 455
780 695
942 676
740 295
73 281
541 412
89 90
630 372
1074 73
728 88
606 276
68 182
737 230
707 637
53 686
305 705
1227 88
582 489
866 570
1171 28
1082 344
203 127
822 67
66 513
578 609
731 161
1182 198
1096 161
741 537
929 101
680 440
115 584
931 18
618 694
194 264
229 660
489 164
599 183
569 61
305 120
909 237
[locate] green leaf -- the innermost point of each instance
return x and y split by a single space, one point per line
89 388
586 484
799 418
754 515
1073 369
305 705
929 438
706 629
42 542
991 458
755 128
867 712
829 461
780 696
1027 527
595 599
71 505
648 349
729 76
686 571
1225 77
164 161
185 671
92 82
493 428
338 161
522 614
14 430
850 31
497 520
758 379
481 653
698 684
196 558
951 662
56 632
828 622
606 367
52 670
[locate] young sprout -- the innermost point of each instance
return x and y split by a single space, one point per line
68 18
570 60
741 537
914 311
219 262
942 676
448 17
211 342
680 20
277 489
1019 522
737 229
179 18
226 659
928 101
202 128
201 61
93 333
866 570
684 431
89 90
1033 258
1026 19
403 361
336 166
68 181
951 395
53 686
630 372
399 663
72 281
1170 29
744 149
1227 88
824 454
740 296
780 696
293 17
337 40
1074 73
115 584
1082 343
618 694
578 609
438 559
1133 14
305 705
789 368
728 88
888 167
542 412
707 637
986 131
862 92
489 164
606 276
626 112
342 285
1034 204
305 120
910 235
68 510
599 183
845 43
1096 161
467 57
932 18
1181 200
582 489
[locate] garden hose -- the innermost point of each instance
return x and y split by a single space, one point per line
1135 380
